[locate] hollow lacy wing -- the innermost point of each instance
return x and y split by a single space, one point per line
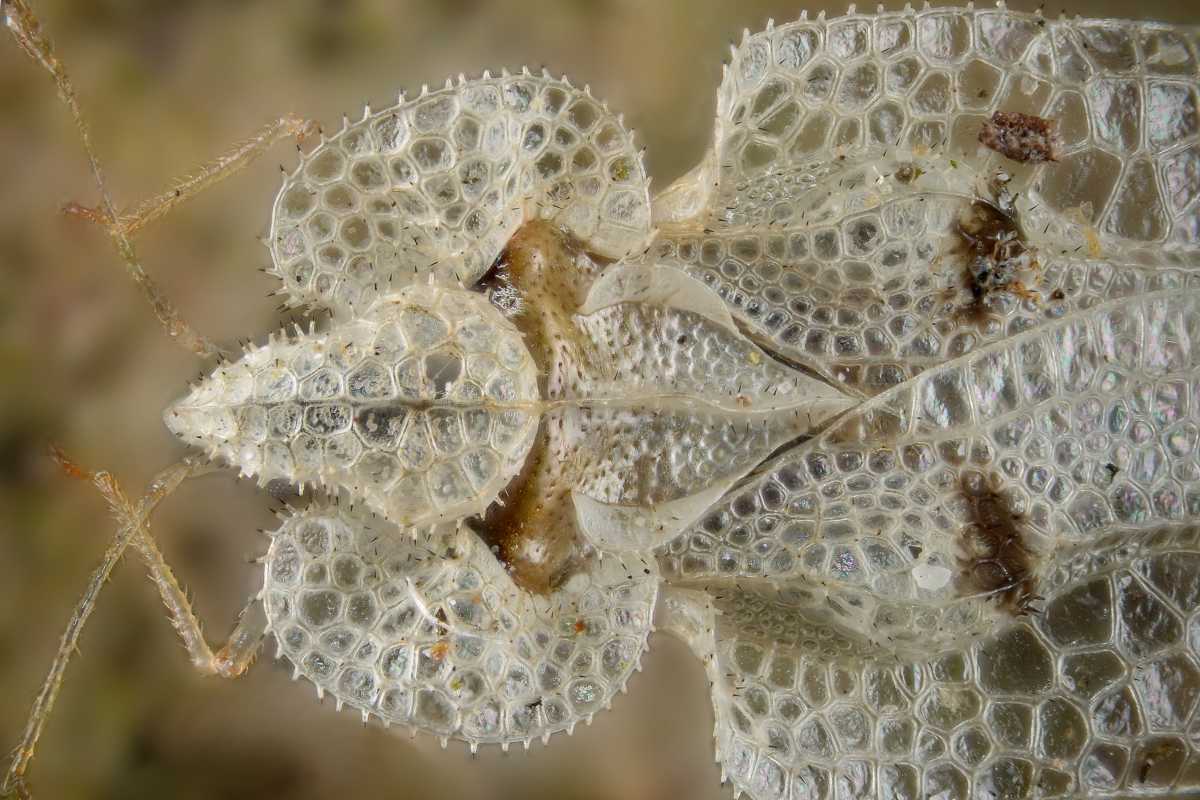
679 406
846 153
934 510
435 187
431 633
658 333
1095 697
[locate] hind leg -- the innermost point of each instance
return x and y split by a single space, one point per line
133 517
232 659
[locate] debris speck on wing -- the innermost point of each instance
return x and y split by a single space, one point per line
1022 137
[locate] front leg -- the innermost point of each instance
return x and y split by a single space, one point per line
21 23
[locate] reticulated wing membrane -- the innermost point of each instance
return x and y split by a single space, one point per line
935 508
677 405
658 334
435 186
432 634
846 153
1095 697
806 100
658 468
1036 485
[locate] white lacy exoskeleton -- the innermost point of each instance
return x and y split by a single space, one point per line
504 451
892 403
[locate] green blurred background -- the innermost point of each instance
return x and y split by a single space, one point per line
166 86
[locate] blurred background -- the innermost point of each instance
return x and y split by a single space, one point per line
166 86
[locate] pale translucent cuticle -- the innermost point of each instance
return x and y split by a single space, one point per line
898 434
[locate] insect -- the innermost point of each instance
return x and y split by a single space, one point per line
896 427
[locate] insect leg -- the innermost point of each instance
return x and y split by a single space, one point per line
236 655
240 650
132 520
19 19
241 155
25 28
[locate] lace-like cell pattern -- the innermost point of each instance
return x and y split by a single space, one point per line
890 409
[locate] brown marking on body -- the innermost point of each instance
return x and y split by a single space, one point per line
1022 137
997 560
550 271
532 529
996 258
